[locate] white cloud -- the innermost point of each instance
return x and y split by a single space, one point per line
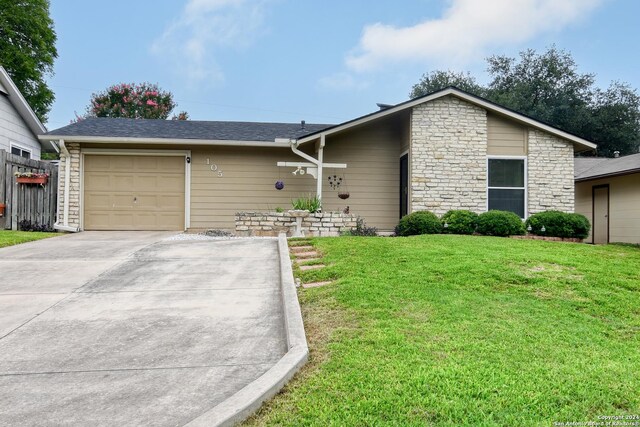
203 29
466 29
343 81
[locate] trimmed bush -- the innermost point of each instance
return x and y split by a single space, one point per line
421 222
559 224
460 222
500 223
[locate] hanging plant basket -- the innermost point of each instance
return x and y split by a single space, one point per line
41 180
343 195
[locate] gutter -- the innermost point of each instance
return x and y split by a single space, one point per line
164 141
67 182
607 175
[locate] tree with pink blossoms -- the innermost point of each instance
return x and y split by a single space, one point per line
134 101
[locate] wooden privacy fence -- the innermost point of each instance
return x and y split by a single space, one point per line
31 202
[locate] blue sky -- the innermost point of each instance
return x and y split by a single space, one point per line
320 61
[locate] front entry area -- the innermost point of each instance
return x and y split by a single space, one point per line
134 192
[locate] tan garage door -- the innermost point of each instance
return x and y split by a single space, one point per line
134 192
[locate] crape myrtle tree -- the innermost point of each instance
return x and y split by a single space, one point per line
28 50
549 87
134 101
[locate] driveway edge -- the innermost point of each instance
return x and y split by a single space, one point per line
246 401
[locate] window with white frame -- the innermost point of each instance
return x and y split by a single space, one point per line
506 185
20 151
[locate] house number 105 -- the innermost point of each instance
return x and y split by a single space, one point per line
214 168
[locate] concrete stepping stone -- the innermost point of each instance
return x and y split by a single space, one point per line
315 284
311 267
312 254
305 248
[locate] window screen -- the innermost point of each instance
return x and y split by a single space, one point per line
506 185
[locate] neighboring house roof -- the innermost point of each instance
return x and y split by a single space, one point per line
180 130
8 88
582 143
587 168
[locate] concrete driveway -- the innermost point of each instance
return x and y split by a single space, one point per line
120 328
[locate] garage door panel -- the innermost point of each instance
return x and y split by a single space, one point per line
120 181
169 202
171 183
98 200
146 182
121 163
97 181
147 163
134 192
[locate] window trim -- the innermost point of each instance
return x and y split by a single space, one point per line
22 148
526 182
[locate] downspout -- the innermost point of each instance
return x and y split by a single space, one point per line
67 182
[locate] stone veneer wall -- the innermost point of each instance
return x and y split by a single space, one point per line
74 190
271 223
448 156
550 173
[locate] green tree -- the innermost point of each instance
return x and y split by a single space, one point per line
134 101
549 87
27 50
546 86
615 120
437 80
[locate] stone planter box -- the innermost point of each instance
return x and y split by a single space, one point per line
313 224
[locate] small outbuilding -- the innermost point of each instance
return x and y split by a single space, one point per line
608 193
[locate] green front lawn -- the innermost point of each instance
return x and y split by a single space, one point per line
9 238
463 330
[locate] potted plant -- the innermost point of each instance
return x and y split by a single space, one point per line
32 178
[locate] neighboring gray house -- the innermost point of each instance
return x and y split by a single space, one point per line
445 150
19 126
608 193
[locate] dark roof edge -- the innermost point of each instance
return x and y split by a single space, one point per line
607 175
449 89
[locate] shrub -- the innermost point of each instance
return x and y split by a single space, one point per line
500 223
361 229
421 222
307 203
26 225
460 222
559 224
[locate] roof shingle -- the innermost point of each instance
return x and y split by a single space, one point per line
593 167
185 129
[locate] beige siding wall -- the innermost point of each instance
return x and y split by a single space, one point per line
372 177
624 206
505 137
14 129
247 183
